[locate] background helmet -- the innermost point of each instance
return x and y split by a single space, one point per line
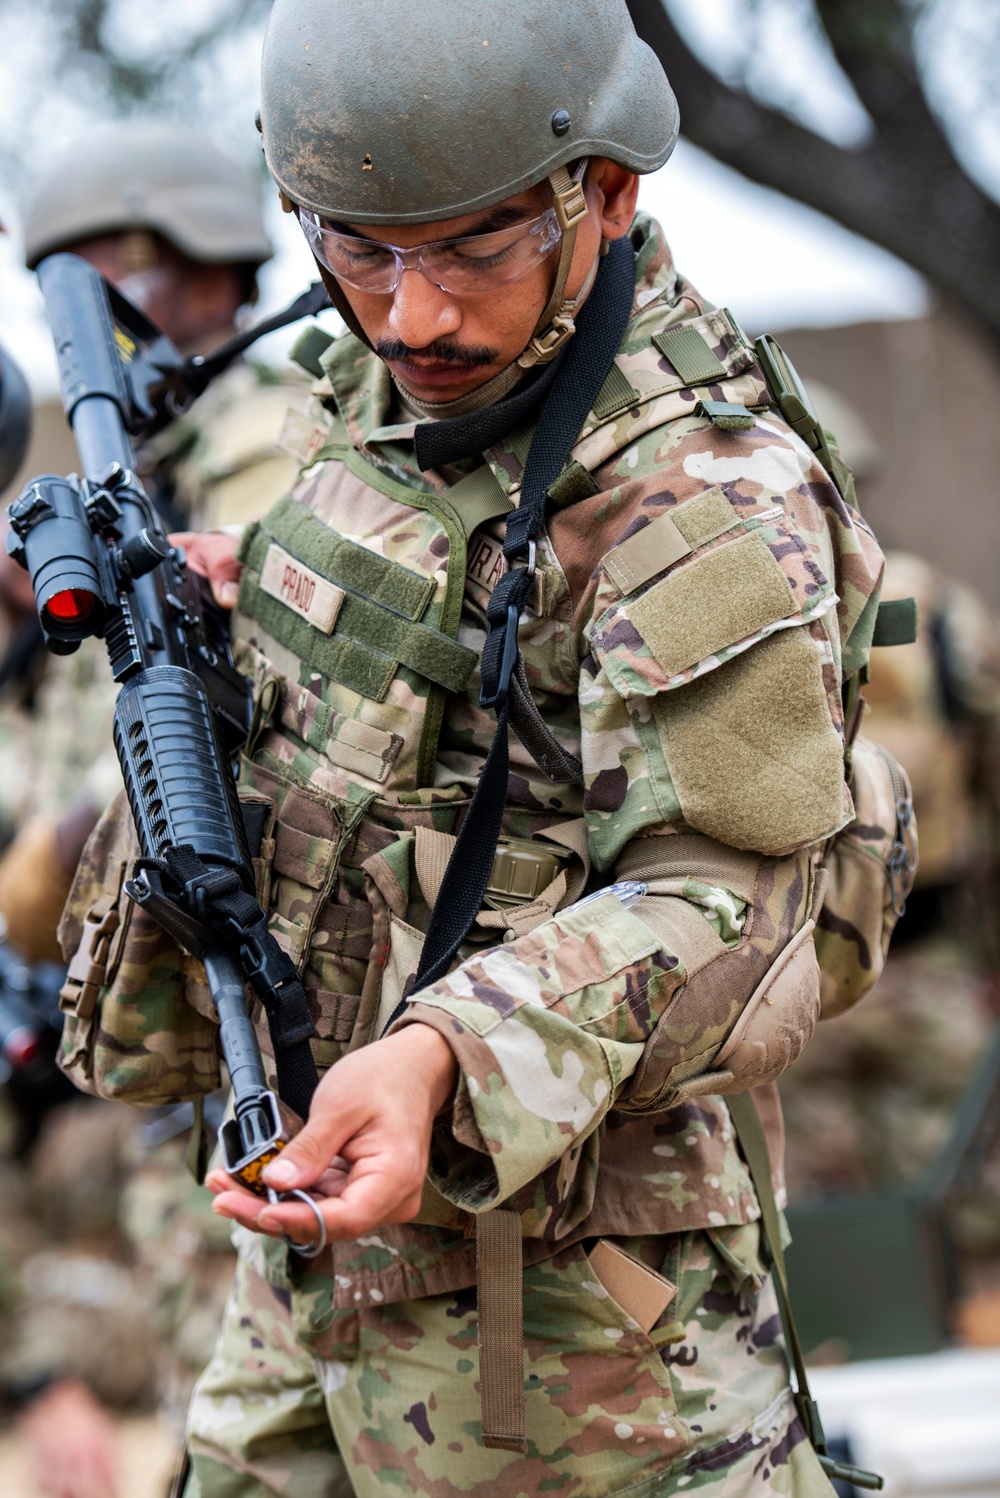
160 178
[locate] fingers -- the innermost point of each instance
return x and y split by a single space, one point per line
377 1192
213 555
312 1152
376 1109
366 1202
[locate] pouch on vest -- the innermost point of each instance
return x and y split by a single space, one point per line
871 865
531 880
136 1028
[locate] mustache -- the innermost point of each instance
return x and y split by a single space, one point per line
446 350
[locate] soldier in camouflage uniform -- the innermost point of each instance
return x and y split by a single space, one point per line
179 228
861 1110
557 1100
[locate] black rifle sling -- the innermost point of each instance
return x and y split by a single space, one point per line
221 902
589 355
201 369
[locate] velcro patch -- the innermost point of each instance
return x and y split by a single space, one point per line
714 602
301 437
306 593
653 549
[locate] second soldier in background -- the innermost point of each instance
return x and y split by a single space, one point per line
178 227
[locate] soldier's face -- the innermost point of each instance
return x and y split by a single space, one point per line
193 302
441 346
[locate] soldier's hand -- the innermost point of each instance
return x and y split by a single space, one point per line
71 1443
213 554
363 1153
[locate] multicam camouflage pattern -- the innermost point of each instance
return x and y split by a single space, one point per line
367 736
935 704
700 1402
863 1110
870 872
224 461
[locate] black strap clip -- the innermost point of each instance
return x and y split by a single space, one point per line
503 614
205 888
497 695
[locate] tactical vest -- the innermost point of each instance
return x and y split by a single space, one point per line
354 590
359 622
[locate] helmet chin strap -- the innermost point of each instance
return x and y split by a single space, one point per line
556 324
554 328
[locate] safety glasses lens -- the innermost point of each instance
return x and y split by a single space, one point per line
478 263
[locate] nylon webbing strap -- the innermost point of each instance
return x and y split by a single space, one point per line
226 907
501 1346
477 499
201 369
895 622
753 1141
464 883
583 370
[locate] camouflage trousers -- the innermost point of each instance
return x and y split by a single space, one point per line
700 1405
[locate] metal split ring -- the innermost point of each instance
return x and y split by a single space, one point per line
304 1250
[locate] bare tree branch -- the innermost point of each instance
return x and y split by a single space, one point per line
87 36
904 189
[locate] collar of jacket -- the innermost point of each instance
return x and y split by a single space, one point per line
364 392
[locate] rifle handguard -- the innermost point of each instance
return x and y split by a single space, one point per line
179 783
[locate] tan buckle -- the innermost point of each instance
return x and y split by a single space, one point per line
545 345
570 205
522 868
89 963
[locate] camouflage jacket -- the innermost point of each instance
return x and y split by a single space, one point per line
224 459
703 591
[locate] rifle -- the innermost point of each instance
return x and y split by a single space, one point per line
100 564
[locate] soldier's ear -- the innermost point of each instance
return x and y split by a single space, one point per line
617 191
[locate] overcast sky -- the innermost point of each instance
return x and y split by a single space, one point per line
774 262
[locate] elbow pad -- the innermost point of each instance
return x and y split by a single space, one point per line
746 1008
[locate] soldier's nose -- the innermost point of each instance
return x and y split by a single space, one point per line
421 311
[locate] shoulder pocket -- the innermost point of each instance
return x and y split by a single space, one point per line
732 648
714 601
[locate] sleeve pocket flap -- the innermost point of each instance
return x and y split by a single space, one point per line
721 598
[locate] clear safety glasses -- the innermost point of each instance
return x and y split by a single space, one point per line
477 263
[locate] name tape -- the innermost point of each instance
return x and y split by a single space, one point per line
486 567
300 589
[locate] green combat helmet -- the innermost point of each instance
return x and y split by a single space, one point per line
468 105
158 178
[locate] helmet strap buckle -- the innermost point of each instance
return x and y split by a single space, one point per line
570 204
545 345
